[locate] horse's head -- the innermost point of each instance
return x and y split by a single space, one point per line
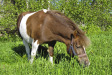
77 47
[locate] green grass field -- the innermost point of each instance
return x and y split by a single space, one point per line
13 59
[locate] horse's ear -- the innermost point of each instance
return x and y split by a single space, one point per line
75 33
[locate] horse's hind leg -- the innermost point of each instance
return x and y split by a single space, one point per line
27 49
51 50
34 50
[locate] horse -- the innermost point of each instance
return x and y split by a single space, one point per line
49 26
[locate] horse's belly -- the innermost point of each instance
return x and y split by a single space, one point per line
23 28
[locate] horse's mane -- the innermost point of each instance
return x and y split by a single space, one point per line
69 23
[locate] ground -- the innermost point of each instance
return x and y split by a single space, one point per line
13 59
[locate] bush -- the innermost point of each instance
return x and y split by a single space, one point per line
88 13
92 14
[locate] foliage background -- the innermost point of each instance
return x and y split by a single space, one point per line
83 12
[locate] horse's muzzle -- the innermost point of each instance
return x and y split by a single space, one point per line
84 61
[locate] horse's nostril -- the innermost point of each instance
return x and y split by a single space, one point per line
84 63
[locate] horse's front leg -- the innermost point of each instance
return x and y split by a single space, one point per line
51 50
51 53
34 50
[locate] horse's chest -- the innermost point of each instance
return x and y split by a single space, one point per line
23 28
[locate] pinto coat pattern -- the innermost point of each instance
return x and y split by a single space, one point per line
49 26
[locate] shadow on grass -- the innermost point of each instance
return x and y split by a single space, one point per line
42 51
60 57
19 50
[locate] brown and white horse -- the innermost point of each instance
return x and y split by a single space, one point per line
48 26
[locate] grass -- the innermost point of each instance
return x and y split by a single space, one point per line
13 59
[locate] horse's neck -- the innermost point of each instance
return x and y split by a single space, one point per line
62 38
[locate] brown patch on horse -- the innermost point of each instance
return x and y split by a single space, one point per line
44 27
34 25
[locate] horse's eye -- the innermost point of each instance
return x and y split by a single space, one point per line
78 47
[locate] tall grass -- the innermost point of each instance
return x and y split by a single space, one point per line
13 59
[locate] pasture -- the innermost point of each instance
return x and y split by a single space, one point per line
13 58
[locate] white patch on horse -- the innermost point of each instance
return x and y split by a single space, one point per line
84 49
51 59
23 29
85 52
34 50
45 10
